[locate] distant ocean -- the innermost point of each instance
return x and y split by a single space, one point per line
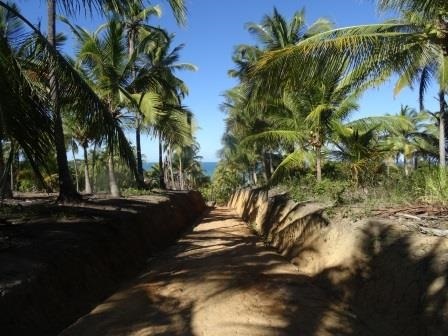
208 167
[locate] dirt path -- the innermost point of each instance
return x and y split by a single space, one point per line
219 279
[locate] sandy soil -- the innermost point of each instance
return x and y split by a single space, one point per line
219 279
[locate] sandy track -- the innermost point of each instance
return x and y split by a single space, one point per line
219 279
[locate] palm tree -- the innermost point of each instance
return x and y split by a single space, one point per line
9 25
67 191
83 136
138 31
244 118
188 166
103 57
360 149
173 128
30 125
157 79
308 118
48 65
274 32
364 144
414 46
403 141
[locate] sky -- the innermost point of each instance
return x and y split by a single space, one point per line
213 29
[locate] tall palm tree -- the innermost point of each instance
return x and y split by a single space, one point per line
30 124
9 25
67 191
244 118
157 77
274 32
139 32
83 136
188 165
415 46
49 65
309 118
172 126
103 57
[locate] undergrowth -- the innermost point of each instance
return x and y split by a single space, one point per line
425 185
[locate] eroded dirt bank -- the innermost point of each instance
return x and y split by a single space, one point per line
57 262
219 280
392 279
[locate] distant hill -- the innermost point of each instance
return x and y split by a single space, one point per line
208 167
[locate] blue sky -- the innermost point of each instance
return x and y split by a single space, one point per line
214 27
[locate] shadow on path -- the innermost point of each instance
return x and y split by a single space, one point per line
218 280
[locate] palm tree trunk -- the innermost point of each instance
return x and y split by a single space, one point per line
254 175
442 154
406 167
113 186
39 176
14 173
139 151
181 173
87 186
12 176
67 190
94 175
170 168
6 185
318 164
162 184
131 49
76 170
165 172
267 166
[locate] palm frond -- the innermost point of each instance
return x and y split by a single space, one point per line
293 161
353 46
391 124
273 137
179 10
443 73
423 8
83 101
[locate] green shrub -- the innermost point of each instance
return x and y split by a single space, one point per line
436 186
135 192
307 188
224 182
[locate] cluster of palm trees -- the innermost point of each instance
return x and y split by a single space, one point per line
183 169
122 76
299 86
